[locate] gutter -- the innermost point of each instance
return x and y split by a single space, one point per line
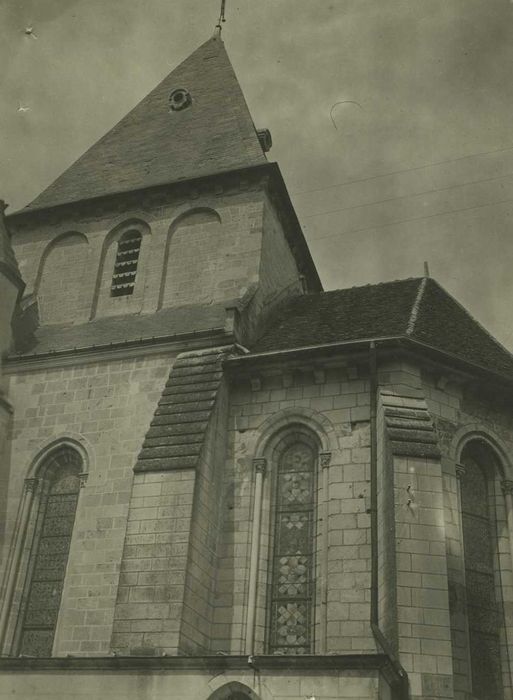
343 344
370 345
374 621
362 344
153 341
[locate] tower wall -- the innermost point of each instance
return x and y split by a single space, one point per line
219 248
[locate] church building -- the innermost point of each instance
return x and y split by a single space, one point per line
218 481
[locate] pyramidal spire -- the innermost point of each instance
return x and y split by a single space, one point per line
195 122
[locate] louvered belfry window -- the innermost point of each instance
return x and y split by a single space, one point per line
291 609
482 609
49 558
125 267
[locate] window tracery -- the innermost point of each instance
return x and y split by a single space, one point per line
292 570
60 486
483 613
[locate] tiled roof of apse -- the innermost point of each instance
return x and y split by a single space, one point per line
418 309
155 145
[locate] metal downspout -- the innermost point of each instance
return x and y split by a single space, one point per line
378 634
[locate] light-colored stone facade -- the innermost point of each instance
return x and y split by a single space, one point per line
173 583
226 246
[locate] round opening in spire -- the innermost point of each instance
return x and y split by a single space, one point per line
179 99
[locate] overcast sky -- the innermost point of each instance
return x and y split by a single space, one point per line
392 120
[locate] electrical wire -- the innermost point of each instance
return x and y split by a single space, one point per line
399 172
407 196
418 218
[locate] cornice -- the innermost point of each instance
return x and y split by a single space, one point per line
298 664
154 196
265 175
430 355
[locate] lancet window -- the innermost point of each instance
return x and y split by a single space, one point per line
292 570
483 613
59 490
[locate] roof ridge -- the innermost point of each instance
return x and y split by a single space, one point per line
472 317
194 122
369 284
416 306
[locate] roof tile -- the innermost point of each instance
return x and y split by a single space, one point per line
418 309
176 434
154 145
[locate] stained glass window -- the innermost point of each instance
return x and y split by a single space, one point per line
292 588
61 485
482 609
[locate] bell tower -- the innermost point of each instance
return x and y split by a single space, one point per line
152 259
174 222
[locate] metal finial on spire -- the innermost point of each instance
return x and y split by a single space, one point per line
221 19
426 269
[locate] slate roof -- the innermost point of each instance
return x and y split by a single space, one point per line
121 329
418 309
154 145
178 428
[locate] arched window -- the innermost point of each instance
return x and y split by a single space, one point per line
125 267
59 489
233 691
479 538
291 606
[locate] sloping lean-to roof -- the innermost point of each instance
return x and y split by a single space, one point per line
178 428
165 139
418 309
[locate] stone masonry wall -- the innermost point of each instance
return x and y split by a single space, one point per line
339 398
432 630
424 635
197 634
279 278
195 685
150 597
106 407
226 256
210 259
461 408
65 276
